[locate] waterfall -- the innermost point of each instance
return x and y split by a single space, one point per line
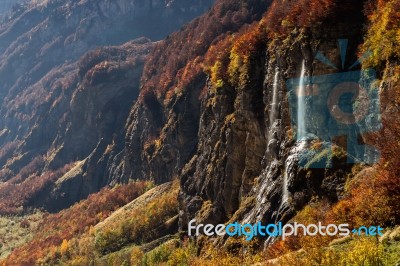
301 105
273 115
289 171
285 191
274 105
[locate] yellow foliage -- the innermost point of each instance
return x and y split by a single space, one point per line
64 247
136 256
216 73
139 225
383 38
234 66
363 251
79 260
181 256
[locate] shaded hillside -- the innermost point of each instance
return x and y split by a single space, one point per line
76 110
163 125
62 103
55 229
219 112
242 163
5 7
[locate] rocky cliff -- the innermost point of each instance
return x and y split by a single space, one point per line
63 104
241 107
231 138
164 123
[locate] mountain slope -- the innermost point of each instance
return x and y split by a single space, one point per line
215 111
62 103
163 124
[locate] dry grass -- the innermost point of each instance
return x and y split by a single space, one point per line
17 230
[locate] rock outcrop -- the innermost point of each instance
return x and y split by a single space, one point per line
231 144
234 158
248 165
64 97
162 128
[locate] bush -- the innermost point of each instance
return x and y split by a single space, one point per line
61 231
383 37
362 251
160 254
139 226
283 15
136 256
110 240
373 199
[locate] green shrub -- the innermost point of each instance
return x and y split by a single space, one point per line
160 254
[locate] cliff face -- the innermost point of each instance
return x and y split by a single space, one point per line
249 166
248 158
235 151
49 34
63 104
236 105
78 112
162 128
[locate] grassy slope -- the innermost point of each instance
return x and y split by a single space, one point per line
17 230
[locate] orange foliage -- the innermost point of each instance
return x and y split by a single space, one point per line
217 60
246 50
7 149
16 193
229 61
57 229
382 40
284 15
373 200
175 61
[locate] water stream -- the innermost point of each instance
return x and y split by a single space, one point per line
301 134
274 106
273 116
301 105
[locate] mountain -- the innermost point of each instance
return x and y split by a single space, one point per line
53 64
278 112
6 6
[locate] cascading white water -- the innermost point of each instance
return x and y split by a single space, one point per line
274 106
301 132
285 191
301 105
269 184
273 113
272 118
289 170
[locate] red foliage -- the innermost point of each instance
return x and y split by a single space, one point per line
374 198
16 193
284 15
175 61
74 221
8 148
219 52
